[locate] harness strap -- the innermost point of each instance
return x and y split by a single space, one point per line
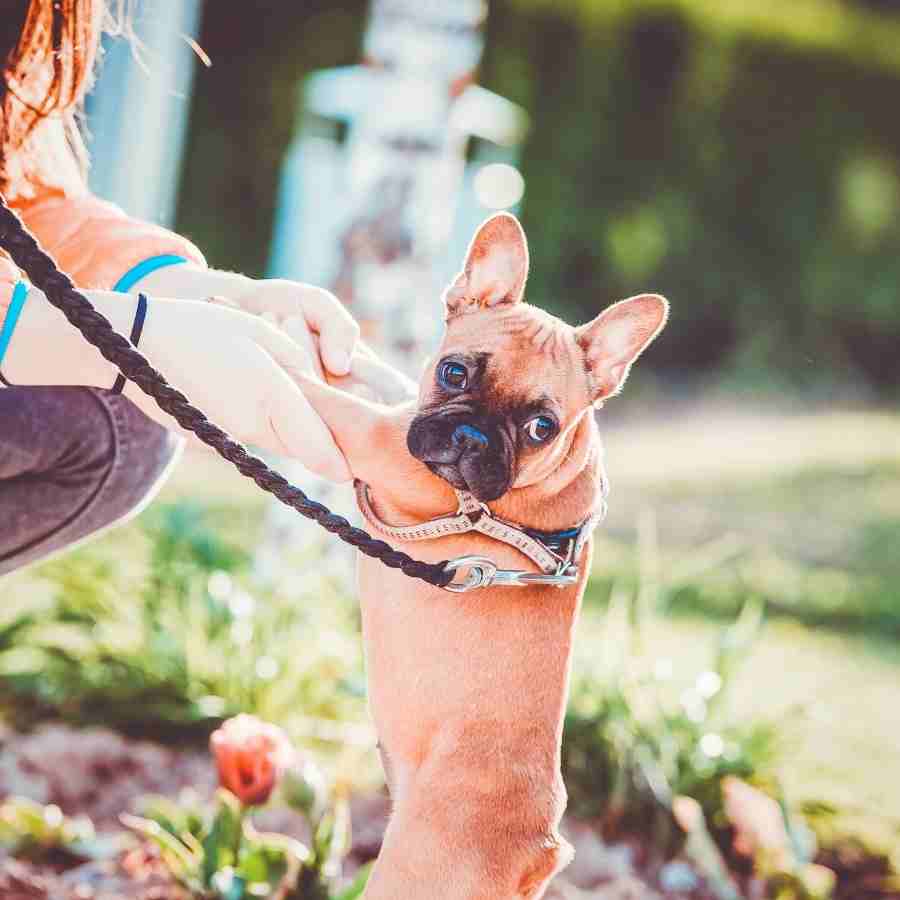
473 515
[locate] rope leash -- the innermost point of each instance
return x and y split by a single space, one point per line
28 255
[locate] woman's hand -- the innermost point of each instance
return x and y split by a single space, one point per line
238 368
314 317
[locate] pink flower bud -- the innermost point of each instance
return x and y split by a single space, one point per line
251 756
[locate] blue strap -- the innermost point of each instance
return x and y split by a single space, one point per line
554 540
143 269
20 295
136 330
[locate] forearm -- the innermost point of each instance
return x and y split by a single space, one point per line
239 368
191 282
313 317
47 350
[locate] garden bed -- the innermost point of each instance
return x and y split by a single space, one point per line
98 774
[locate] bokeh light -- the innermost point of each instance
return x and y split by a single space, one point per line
499 186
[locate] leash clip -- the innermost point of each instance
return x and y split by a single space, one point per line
483 572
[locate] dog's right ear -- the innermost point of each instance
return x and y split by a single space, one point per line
495 270
616 338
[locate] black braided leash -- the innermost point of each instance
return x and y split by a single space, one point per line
95 328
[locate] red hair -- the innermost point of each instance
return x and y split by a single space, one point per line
49 48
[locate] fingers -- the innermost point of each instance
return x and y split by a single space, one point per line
293 352
337 329
297 329
296 426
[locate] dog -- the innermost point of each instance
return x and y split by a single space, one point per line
468 690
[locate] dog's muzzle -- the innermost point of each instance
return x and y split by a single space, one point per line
468 452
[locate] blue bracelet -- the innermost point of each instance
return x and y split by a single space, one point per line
136 330
20 295
145 268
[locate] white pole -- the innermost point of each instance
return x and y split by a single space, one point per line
138 111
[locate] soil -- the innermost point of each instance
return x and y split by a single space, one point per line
100 774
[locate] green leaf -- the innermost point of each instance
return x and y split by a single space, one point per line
333 835
221 845
281 844
10 633
256 865
181 862
358 885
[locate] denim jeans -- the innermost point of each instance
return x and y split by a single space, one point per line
73 461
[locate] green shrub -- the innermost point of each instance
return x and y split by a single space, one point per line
172 652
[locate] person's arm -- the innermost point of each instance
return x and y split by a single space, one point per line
98 245
312 316
103 248
238 368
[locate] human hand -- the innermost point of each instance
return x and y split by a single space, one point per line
314 317
241 371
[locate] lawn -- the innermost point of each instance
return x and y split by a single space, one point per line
804 512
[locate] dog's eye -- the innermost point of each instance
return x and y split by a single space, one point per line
453 375
540 429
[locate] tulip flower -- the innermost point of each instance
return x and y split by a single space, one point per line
758 822
251 756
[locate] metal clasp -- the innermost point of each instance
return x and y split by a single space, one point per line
483 572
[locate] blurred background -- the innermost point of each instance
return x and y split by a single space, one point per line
744 613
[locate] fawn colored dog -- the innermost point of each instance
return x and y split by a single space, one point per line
468 691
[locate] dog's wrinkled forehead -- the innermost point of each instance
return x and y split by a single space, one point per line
519 355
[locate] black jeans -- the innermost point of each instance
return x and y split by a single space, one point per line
73 461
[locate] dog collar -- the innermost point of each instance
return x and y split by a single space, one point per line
554 552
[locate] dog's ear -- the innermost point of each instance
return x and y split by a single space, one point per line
495 270
617 337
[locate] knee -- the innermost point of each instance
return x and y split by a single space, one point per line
73 461
63 432
99 446
87 439
143 453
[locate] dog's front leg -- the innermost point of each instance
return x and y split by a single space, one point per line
418 862
460 832
372 438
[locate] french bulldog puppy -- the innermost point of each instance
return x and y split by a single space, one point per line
468 691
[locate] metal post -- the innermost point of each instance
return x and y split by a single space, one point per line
373 191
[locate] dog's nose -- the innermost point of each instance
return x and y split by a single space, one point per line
466 437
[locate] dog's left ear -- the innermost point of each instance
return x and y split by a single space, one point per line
495 270
617 337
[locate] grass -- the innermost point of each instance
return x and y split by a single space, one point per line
802 511
833 700
710 510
